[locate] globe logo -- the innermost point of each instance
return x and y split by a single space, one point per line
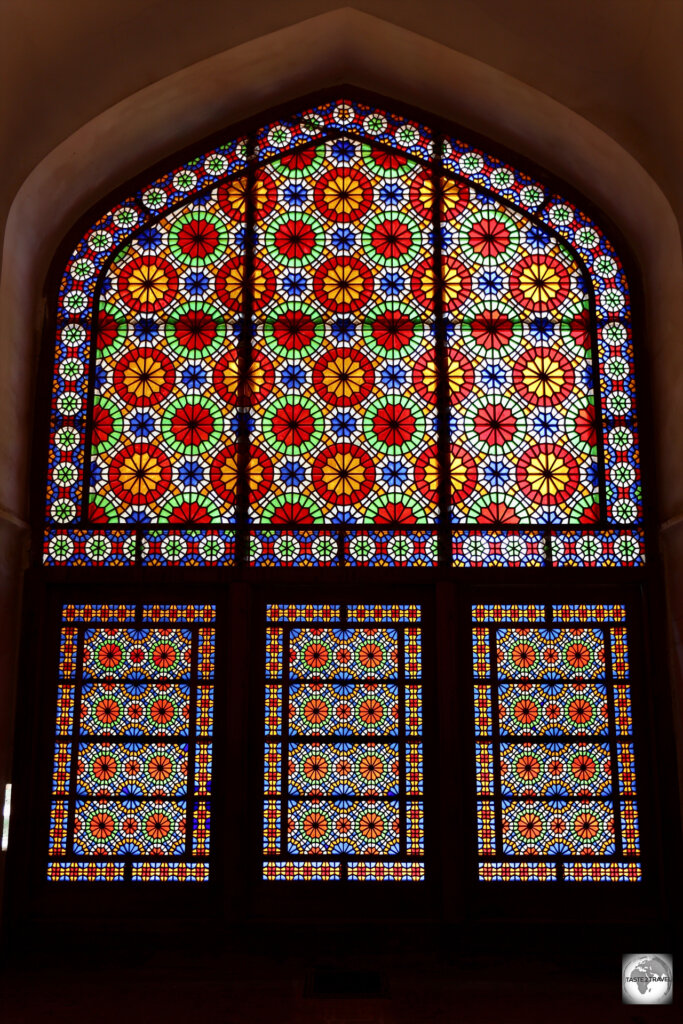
647 979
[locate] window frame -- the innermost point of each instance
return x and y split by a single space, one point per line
455 901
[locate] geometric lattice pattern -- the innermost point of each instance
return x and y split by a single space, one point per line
345 340
343 777
556 789
133 752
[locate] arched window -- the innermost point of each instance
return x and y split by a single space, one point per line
429 341
344 342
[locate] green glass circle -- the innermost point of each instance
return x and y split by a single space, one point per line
121 330
198 216
469 220
388 446
292 170
394 497
110 407
192 447
277 341
299 260
397 261
99 501
476 341
286 443
186 314
197 499
385 168
391 311
473 429
273 507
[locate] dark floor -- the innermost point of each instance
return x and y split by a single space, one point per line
107 983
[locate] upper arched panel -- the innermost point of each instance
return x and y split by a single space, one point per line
344 339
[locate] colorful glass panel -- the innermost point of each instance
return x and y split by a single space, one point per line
555 770
273 422
133 750
343 758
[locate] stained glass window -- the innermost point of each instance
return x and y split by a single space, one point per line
556 787
131 784
343 776
344 339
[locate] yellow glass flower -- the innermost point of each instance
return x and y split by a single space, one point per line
236 194
547 474
343 283
431 472
539 282
456 376
343 194
233 283
451 283
543 375
343 376
148 283
228 473
253 382
140 473
343 473
450 193
144 376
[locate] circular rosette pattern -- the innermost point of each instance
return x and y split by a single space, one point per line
195 330
459 371
110 329
101 510
393 425
192 426
539 282
491 328
343 377
581 419
343 474
463 473
543 376
140 475
547 474
576 330
232 197
190 510
302 163
248 388
453 195
393 331
292 512
343 195
107 425
498 510
144 377
488 235
386 164
297 238
224 473
293 425
455 281
293 331
396 509
392 238
494 425
343 284
148 283
230 284
198 238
